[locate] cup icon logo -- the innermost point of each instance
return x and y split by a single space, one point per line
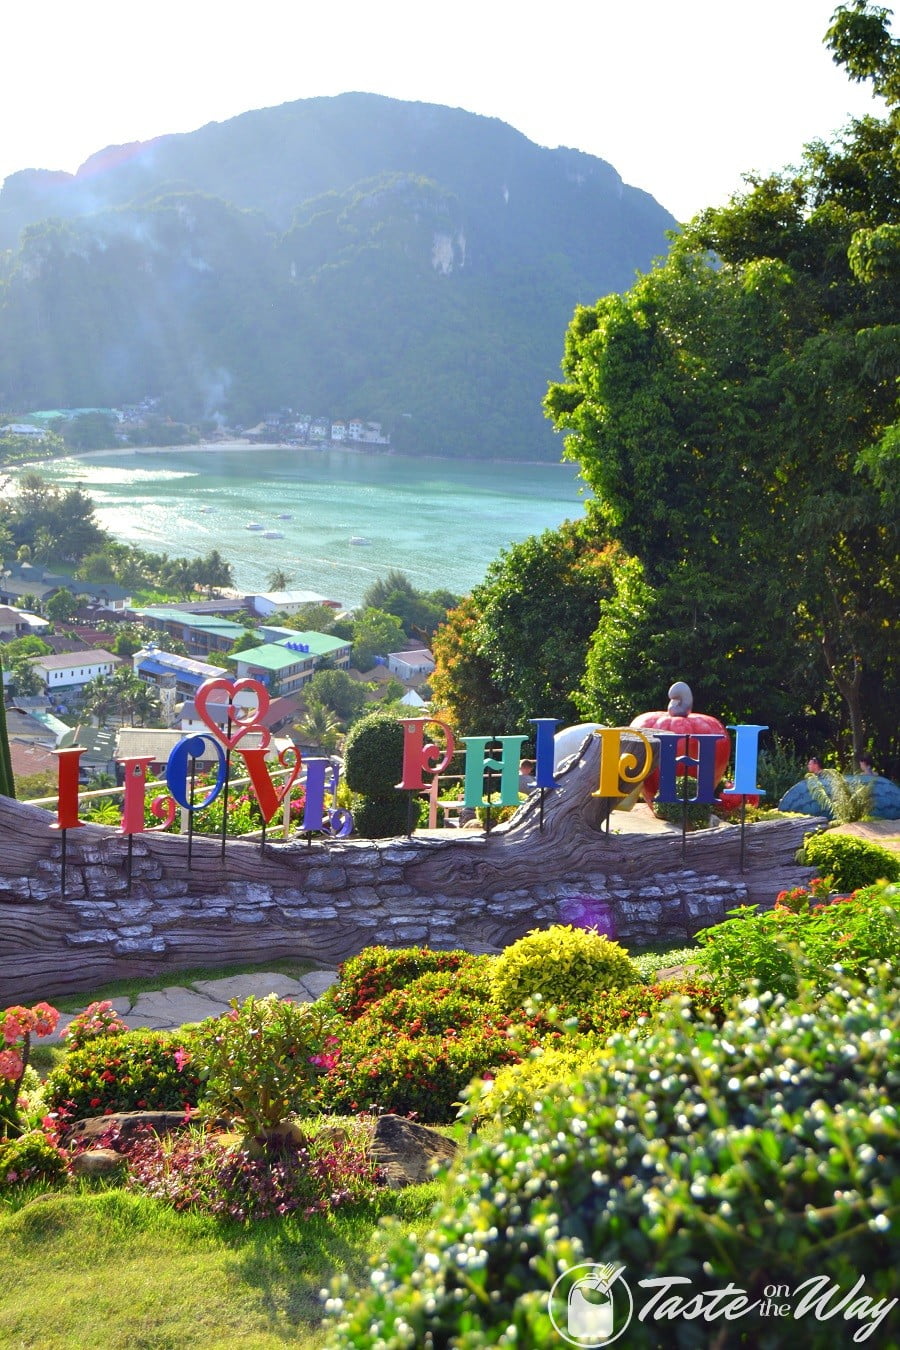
591 1305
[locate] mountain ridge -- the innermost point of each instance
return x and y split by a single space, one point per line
339 219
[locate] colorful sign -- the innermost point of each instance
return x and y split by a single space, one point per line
491 766
320 813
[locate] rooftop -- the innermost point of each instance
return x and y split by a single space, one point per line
319 644
206 623
273 656
71 660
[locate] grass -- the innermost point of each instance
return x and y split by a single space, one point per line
109 1268
96 1265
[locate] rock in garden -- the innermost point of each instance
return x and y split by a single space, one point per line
125 1123
97 1162
407 1153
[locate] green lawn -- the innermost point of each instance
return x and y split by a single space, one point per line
108 1270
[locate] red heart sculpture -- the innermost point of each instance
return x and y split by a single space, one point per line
243 724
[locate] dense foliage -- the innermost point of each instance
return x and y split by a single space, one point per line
130 1071
849 862
742 1154
376 971
803 938
735 413
516 648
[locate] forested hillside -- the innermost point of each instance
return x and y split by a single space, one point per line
349 257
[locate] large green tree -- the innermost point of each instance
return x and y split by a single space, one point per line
733 413
517 648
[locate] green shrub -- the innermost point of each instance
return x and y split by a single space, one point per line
30 1157
258 1063
377 970
698 813
783 945
562 964
779 768
843 799
132 1071
766 1153
850 862
652 1003
422 1075
432 1004
380 817
512 1094
373 756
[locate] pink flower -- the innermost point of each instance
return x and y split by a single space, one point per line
181 1057
45 1019
11 1065
17 1023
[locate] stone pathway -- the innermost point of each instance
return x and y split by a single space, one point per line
165 1009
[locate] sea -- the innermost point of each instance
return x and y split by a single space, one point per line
333 520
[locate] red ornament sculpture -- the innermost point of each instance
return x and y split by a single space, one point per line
679 717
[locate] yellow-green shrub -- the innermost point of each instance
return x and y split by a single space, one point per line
511 1094
563 964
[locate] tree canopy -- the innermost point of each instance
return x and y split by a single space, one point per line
736 414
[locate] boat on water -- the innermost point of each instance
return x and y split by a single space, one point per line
284 515
254 525
204 510
359 540
272 534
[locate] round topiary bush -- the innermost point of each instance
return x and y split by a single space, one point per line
849 861
563 964
380 817
373 756
373 765
765 1154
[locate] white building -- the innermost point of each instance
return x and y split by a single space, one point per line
286 602
414 665
71 670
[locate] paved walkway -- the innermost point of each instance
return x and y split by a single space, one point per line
164 1009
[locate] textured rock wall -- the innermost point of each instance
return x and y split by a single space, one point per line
328 901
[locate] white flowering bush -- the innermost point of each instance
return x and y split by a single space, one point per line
764 1152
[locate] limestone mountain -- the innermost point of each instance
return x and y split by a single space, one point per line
354 256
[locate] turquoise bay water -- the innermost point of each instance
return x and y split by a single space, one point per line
441 522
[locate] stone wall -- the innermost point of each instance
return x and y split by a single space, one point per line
328 901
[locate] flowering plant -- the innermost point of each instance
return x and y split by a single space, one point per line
18 1025
799 898
259 1061
98 1019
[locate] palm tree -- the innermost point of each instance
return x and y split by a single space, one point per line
278 580
100 698
319 726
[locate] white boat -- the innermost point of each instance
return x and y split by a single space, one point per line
358 539
204 510
254 525
272 534
283 515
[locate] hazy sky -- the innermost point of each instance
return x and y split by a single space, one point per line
680 98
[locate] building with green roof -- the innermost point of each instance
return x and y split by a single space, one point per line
200 633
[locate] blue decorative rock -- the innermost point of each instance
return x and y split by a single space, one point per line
885 797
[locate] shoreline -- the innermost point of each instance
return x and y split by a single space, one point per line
235 447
